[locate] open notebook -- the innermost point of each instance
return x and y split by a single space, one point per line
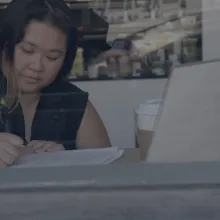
70 158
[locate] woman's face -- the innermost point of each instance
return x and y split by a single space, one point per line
39 56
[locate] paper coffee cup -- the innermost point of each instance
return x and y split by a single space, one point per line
146 115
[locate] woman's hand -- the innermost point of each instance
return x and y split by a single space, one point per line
42 146
112 53
10 146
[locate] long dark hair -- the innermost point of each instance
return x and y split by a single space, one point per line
19 13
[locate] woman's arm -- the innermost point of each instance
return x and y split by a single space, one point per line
92 132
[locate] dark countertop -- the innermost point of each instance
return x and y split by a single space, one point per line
106 78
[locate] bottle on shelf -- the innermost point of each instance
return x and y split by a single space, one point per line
78 67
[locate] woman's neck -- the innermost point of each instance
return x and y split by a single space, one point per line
27 100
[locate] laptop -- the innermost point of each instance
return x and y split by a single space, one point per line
188 128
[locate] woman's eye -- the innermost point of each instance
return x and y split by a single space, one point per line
28 51
52 58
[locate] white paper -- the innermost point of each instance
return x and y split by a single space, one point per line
70 158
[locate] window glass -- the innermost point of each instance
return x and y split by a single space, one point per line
101 80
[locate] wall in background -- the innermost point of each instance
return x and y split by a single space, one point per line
211 29
116 101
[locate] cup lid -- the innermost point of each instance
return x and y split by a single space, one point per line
150 107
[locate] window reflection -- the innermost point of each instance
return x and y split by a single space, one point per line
158 49
148 41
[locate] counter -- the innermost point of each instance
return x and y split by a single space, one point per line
156 191
130 156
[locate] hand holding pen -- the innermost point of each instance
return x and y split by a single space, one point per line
10 149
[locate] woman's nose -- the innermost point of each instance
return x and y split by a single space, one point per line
37 64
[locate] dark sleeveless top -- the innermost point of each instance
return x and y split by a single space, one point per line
58 115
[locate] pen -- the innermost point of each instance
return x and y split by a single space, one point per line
25 142
7 126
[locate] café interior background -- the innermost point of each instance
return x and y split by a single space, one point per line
163 33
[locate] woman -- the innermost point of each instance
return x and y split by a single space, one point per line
44 111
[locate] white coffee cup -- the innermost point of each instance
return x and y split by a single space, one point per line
146 116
